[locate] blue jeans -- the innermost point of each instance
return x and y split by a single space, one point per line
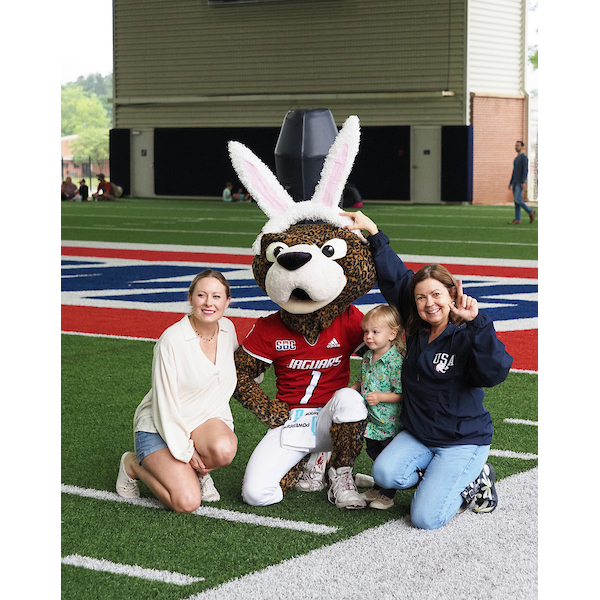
519 202
447 470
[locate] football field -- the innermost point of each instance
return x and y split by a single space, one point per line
125 271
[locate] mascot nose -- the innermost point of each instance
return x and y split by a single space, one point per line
293 260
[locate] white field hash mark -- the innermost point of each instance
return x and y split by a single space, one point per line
204 511
100 564
521 422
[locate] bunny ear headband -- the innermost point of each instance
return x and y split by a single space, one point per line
278 205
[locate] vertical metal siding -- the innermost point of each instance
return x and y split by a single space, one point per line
181 63
496 48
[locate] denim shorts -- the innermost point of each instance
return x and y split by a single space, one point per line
147 443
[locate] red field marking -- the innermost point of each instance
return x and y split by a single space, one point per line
158 255
147 324
484 270
123 322
523 347
246 259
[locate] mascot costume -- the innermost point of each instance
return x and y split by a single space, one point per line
313 267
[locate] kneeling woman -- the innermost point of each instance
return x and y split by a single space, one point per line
183 426
452 353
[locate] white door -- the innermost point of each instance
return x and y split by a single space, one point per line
426 163
142 163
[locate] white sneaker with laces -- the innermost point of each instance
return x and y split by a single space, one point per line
126 486
342 489
313 476
208 490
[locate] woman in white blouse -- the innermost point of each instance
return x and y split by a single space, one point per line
183 426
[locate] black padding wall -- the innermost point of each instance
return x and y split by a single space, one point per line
195 161
120 163
382 168
457 163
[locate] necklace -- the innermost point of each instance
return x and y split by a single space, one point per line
201 336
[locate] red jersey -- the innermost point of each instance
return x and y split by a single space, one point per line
307 374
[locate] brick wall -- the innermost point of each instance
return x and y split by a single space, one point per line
497 124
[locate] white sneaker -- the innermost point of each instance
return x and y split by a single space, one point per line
208 490
342 489
313 476
126 486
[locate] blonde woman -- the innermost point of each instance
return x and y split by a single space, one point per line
183 426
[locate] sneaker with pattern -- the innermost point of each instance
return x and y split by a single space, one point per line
342 489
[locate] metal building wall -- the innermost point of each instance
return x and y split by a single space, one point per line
496 47
185 63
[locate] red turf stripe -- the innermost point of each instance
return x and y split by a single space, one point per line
484 270
246 259
158 255
521 345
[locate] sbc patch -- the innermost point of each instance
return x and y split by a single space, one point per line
283 345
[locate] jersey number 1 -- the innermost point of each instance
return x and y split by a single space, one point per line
310 388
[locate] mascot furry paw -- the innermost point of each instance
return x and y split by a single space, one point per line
313 268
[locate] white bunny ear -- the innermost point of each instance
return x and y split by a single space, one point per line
258 179
338 164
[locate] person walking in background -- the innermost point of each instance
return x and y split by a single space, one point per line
517 184
381 386
452 353
183 426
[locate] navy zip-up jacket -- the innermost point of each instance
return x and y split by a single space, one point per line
442 381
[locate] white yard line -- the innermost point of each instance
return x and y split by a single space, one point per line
511 454
100 564
204 511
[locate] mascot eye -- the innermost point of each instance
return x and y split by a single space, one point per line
335 249
274 249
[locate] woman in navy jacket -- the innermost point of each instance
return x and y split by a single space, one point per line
452 352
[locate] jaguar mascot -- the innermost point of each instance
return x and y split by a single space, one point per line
313 267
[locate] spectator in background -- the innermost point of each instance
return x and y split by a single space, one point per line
105 191
517 184
351 196
68 190
228 196
83 192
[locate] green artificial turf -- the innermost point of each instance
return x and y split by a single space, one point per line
461 230
104 379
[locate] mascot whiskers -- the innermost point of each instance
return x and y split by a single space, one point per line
313 268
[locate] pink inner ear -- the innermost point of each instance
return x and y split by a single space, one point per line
333 178
264 193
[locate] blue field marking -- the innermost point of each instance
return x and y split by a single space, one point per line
156 284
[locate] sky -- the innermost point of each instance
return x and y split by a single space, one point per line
93 53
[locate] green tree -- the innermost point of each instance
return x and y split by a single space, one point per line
95 83
533 56
93 143
80 111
